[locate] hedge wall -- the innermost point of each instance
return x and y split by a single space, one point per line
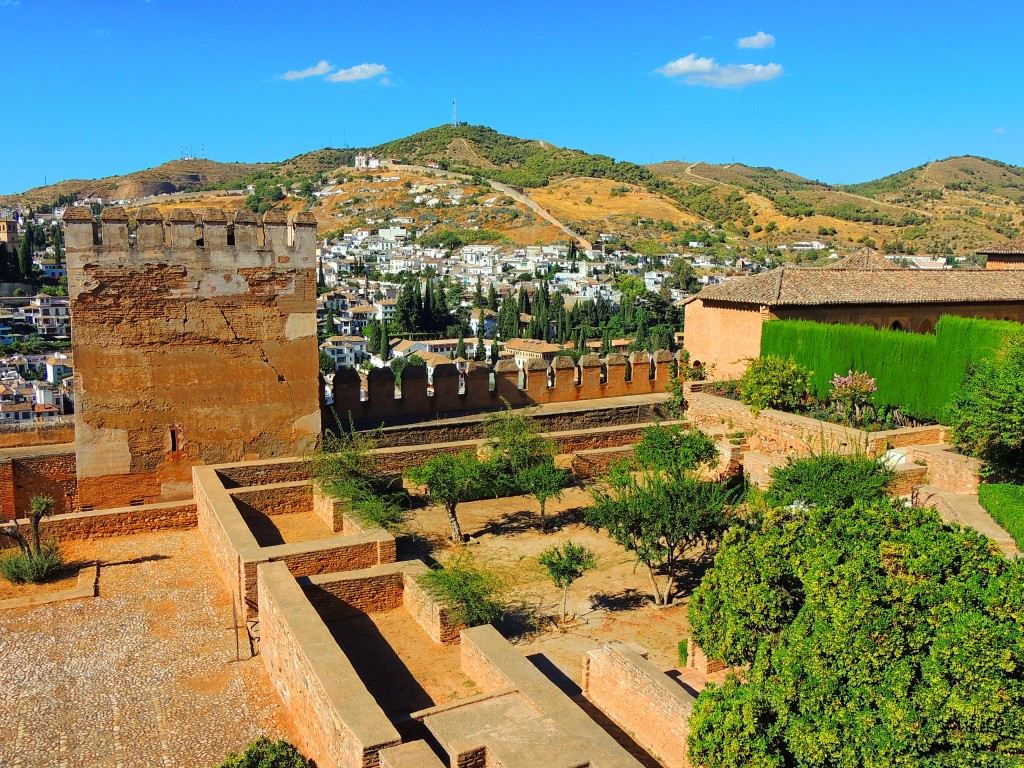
920 373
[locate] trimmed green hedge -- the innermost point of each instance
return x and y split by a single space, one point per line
1005 502
916 372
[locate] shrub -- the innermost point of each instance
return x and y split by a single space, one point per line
986 418
1005 502
852 392
774 382
830 480
473 593
566 564
265 753
23 568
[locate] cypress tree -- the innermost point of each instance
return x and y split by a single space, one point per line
329 326
494 352
5 263
478 296
385 342
492 298
58 247
25 253
427 318
479 354
460 348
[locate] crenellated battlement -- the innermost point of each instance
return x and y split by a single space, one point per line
478 386
206 230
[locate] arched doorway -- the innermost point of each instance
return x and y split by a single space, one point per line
896 326
927 326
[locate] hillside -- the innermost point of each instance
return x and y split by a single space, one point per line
948 207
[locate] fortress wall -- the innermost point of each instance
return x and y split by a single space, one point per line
562 382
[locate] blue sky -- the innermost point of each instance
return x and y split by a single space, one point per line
836 91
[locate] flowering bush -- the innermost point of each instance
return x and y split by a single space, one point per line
852 392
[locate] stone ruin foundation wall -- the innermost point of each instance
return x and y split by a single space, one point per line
652 708
194 343
339 722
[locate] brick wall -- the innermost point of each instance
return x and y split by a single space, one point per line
723 335
125 521
275 499
370 591
52 475
645 702
698 660
339 723
946 469
262 472
481 666
429 614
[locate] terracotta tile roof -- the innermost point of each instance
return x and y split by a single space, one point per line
847 283
531 345
1010 248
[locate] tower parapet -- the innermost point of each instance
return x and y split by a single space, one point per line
195 342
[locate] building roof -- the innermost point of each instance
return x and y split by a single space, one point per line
531 345
1011 248
862 279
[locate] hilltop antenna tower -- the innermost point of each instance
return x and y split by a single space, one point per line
455 114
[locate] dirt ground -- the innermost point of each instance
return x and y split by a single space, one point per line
143 675
612 602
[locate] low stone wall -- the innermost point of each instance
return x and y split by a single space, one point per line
275 499
777 433
339 723
250 473
371 590
948 470
414 754
647 704
329 509
606 413
123 521
697 660
435 618
45 470
236 554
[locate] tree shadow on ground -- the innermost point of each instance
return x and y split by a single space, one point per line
627 600
519 622
133 561
526 520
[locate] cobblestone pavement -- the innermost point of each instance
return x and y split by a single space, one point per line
144 675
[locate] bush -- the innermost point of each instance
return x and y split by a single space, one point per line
1005 502
774 382
473 594
987 415
265 753
23 568
830 480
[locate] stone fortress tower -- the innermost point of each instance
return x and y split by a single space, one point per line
194 343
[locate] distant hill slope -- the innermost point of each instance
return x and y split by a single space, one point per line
948 207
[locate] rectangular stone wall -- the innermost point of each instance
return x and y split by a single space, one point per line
339 723
435 619
51 433
124 521
946 469
52 475
372 590
723 336
252 473
195 343
275 499
643 700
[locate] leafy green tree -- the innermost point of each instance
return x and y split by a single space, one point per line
399 363
565 565
544 481
326 363
676 450
660 519
371 332
830 479
772 382
449 480
514 445
874 636
986 417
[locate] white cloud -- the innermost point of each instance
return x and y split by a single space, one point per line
999 130
760 40
358 72
320 68
706 71
8 3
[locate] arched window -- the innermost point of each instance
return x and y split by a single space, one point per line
896 326
927 326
